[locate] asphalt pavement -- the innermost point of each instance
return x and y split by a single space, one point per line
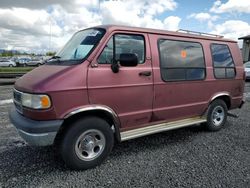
188 157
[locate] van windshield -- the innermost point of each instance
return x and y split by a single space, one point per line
80 45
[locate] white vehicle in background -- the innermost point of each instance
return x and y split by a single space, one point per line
24 61
247 70
7 63
30 62
35 62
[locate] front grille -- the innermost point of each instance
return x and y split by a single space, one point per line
17 95
19 108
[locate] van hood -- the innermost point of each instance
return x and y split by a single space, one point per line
52 78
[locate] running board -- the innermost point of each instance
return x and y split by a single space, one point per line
135 133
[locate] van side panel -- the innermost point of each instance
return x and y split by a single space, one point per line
175 100
239 83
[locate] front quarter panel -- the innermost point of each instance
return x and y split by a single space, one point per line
66 90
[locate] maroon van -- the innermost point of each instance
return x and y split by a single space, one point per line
115 83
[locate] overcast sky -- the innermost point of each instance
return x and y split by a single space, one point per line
25 24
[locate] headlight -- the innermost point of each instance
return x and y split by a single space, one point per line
35 101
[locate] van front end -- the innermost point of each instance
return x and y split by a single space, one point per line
43 97
34 132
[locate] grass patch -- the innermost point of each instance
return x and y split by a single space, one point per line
15 69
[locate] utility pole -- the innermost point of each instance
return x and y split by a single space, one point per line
50 33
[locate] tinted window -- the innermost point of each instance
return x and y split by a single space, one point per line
181 60
222 61
123 44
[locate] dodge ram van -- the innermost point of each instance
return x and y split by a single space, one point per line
113 83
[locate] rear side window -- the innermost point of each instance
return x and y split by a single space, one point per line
180 60
223 63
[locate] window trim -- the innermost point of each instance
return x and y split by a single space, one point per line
205 67
120 33
220 67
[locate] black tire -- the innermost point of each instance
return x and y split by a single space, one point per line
217 115
72 144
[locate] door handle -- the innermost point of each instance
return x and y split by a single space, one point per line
145 73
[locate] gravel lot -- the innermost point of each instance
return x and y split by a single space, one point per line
189 157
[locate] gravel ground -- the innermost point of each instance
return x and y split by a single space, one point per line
189 157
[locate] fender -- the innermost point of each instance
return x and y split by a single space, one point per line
102 108
220 95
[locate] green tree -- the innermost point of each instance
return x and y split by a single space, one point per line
50 53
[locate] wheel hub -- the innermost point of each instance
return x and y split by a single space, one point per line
90 145
218 115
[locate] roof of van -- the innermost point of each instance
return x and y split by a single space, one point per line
163 32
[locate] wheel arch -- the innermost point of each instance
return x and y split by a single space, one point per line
225 96
103 112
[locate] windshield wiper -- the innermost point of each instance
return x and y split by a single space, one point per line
55 57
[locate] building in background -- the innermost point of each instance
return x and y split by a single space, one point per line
246 48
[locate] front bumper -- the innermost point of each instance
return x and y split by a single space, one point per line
36 133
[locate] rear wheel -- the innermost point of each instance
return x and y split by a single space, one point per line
87 143
217 115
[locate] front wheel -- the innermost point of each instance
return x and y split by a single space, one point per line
87 143
217 115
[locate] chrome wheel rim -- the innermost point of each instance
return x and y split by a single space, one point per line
218 115
90 145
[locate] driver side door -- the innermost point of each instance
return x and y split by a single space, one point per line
130 91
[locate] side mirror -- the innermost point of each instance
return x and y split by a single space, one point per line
128 60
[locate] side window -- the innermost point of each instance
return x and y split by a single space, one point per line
181 60
106 56
222 61
124 43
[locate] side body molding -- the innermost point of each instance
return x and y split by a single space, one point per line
108 111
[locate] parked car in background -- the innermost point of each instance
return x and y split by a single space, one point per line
30 62
24 61
35 62
247 70
15 59
7 63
